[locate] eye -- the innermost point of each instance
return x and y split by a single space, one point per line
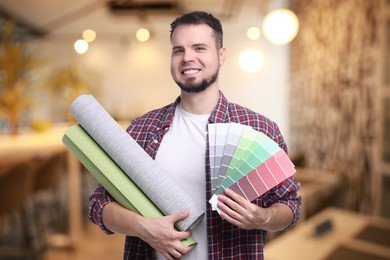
200 49
177 51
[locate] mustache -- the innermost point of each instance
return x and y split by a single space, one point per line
191 87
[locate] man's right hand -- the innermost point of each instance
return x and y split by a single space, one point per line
161 234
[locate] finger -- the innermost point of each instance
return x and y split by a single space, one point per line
229 209
236 197
183 235
237 203
229 203
180 216
168 256
176 254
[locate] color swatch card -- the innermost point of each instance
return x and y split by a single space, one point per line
230 150
212 140
251 163
223 139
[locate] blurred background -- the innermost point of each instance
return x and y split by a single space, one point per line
319 68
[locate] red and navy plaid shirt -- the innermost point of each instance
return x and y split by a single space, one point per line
225 241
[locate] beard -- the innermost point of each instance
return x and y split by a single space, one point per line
191 87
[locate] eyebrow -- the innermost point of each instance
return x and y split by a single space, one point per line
193 45
200 45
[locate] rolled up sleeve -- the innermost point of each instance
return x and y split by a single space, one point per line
285 192
97 200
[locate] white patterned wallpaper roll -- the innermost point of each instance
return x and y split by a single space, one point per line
168 196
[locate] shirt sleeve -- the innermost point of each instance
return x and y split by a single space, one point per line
97 200
285 192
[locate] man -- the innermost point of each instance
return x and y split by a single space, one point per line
176 137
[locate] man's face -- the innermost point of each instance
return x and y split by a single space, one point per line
195 60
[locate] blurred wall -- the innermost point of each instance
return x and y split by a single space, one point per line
334 91
136 76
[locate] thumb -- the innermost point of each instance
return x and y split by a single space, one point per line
180 216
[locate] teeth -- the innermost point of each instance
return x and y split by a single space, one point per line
190 72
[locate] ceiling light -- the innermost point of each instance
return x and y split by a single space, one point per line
89 35
280 26
81 46
251 60
253 33
142 35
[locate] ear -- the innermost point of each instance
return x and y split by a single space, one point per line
222 55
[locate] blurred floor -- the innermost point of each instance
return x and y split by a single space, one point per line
94 245
99 246
385 207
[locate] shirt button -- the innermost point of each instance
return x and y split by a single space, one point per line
155 141
158 128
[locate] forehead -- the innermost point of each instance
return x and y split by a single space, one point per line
194 33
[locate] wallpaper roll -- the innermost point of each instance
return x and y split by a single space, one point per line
160 188
110 175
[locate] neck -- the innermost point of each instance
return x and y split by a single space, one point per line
201 103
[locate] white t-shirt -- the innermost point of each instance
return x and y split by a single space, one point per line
182 154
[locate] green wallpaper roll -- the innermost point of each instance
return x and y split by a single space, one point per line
110 175
149 176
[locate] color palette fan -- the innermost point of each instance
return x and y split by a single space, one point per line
245 160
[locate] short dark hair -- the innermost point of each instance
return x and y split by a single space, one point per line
200 17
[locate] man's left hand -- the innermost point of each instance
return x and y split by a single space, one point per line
241 212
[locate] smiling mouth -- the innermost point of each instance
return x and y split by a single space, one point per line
190 72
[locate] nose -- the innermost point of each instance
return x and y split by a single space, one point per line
188 56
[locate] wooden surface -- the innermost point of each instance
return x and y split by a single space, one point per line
346 234
318 189
30 145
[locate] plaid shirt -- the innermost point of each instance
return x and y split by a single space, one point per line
225 241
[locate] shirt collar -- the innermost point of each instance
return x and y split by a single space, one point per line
220 113
168 116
